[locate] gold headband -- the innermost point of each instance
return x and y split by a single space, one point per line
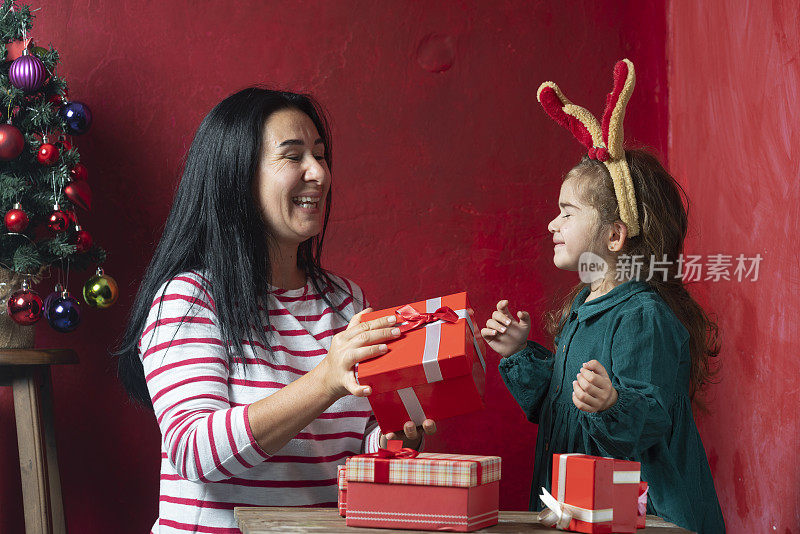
604 144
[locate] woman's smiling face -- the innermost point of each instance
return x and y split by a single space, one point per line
293 179
575 229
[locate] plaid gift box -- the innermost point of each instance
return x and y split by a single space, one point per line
434 370
592 494
342 499
427 491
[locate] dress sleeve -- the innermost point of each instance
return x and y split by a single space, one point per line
645 356
186 369
527 376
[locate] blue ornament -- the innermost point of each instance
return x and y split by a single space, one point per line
64 314
78 117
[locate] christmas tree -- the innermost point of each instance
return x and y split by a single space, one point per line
43 184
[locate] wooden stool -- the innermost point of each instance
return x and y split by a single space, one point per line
28 372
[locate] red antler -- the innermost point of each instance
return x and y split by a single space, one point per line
554 106
620 77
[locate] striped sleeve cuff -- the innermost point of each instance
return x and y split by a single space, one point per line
253 443
372 440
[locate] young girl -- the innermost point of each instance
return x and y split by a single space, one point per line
632 348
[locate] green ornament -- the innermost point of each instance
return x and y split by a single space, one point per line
100 290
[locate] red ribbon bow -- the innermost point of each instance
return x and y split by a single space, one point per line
415 319
394 450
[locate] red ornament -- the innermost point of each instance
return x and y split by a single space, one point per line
11 142
15 48
79 172
25 306
59 221
83 240
80 194
48 154
16 219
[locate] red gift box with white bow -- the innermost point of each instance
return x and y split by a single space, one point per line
401 488
592 494
435 370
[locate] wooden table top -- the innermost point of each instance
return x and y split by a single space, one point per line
268 520
37 356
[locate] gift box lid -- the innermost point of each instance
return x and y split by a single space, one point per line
341 472
428 353
426 469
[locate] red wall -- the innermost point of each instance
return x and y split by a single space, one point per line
734 124
444 181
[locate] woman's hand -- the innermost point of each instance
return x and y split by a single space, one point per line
505 335
592 390
359 342
412 435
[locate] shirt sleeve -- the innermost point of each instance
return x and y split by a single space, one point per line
372 436
645 356
527 376
186 369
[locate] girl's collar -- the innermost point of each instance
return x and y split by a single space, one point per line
585 310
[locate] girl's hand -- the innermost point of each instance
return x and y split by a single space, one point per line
412 435
505 335
592 390
359 342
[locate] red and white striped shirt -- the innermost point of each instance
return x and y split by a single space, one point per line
210 461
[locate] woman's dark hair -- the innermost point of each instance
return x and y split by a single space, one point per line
664 222
216 226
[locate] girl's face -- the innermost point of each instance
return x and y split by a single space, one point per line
293 179
575 230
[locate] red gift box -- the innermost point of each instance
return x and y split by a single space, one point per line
434 370
642 505
408 490
342 499
592 494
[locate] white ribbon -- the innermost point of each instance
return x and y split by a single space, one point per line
626 477
433 334
412 405
559 513
555 514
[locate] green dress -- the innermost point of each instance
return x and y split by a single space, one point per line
633 333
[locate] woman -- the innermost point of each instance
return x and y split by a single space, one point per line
243 345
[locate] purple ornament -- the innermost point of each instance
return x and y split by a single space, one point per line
27 73
77 116
65 314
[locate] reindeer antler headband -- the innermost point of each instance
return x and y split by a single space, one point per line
604 144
